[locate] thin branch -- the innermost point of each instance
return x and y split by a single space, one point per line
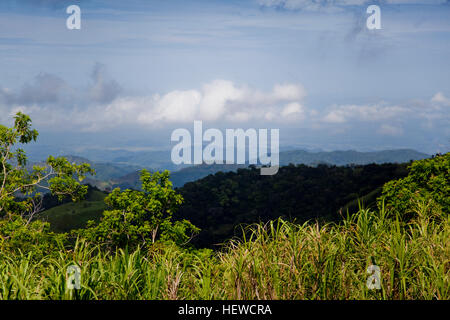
4 168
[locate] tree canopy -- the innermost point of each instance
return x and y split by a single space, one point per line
20 188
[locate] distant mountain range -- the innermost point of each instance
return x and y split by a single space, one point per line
340 158
126 175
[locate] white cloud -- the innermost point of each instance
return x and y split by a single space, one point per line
176 106
390 119
288 92
293 109
216 96
439 98
221 100
217 101
375 112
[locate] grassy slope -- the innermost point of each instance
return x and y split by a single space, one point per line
279 261
68 216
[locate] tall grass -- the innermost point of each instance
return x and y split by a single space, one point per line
276 260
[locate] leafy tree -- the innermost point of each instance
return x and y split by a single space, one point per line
141 217
20 188
428 182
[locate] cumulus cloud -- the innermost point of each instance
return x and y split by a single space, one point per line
374 112
104 103
219 100
435 108
389 119
440 99
293 109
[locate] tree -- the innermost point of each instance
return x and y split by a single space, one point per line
428 182
141 217
20 188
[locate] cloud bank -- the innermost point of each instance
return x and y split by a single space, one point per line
105 105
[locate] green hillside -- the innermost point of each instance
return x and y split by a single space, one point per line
74 215
224 196
220 202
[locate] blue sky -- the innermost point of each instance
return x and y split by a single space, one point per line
138 69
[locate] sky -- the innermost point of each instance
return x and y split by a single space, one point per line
137 70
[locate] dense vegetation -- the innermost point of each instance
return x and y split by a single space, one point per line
219 203
279 261
140 249
126 175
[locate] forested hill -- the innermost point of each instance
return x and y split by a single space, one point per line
112 175
220 202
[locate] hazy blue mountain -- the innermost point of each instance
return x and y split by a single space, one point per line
350 157
178 178
144 159
123 160
149 159
122 170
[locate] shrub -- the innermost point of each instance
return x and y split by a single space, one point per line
141 217
428 182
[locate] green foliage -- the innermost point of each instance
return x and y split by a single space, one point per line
57 175
141 217
274 260
19 196
219 203
278 260
20 235
428 181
